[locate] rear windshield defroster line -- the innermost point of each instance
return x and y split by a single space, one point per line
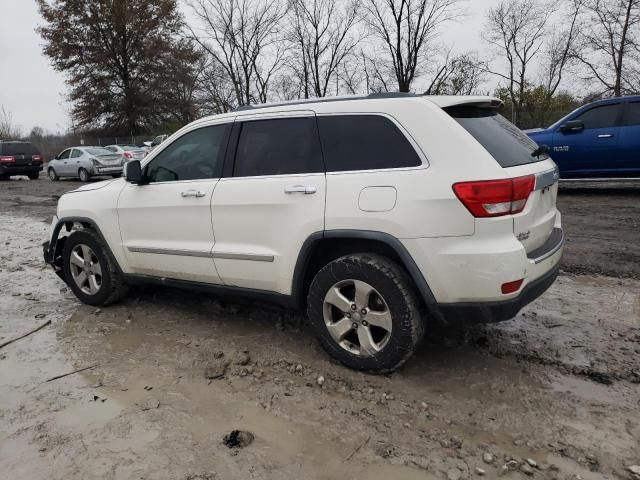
506 143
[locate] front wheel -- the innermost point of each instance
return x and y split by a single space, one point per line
84 175
90 270
53 176
366 313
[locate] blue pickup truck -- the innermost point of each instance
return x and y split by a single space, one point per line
598 140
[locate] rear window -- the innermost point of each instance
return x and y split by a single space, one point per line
129 148
506 143
98 151
364 142
18 148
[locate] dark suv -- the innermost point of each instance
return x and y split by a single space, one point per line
19 158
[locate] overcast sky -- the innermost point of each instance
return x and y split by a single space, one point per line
34 93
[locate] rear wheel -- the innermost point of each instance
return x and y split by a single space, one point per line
53 176
366 313
116 175
84 175
34 176
4 176
90 270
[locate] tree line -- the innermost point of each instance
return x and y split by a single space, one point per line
136 66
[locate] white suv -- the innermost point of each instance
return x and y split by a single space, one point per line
377 213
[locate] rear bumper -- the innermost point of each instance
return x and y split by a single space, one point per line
20 169
492 312
106 170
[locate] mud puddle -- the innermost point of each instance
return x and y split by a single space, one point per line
517 391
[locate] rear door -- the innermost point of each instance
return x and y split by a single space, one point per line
594 150
271 201
630 141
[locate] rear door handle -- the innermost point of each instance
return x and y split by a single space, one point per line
605 135
307 190
192 193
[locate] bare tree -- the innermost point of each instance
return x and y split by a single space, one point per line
216 91
323 34
611 44
562 47
459 75
243 36
8 129
516 29
408 29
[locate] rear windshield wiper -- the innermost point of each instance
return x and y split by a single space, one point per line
541 150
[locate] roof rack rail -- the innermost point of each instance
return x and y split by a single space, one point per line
370 96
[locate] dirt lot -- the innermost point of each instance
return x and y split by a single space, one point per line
554 393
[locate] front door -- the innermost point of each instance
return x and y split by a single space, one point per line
270 202
592 150
165 223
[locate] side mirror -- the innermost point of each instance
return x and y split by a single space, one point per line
133 171
572 126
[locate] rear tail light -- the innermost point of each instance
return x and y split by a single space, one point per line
36 158
511 287
128 155
7 159
495 198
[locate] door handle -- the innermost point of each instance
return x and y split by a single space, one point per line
605 135
307 190
192 193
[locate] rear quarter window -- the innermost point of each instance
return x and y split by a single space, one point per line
506 143
364 142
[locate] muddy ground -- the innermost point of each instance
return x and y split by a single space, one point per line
554 393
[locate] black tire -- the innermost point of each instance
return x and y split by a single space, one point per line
4 177
34 176
53 176
84 175
112 286
116 175
393 285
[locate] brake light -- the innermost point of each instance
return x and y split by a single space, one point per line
7 159
36 158
495 198
128 155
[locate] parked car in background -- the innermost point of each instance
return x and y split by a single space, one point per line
598 140
128 152
150 145
85 162
19 158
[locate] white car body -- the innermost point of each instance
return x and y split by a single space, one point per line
247 233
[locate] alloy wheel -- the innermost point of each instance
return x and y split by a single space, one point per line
85 269
357 317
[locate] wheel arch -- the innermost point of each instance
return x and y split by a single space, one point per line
56 242
320 248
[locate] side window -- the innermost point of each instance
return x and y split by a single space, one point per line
64 155
364 142
600 117
282 146
75 153
195 155
631 114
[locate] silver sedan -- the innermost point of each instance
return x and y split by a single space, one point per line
128 152
85 162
